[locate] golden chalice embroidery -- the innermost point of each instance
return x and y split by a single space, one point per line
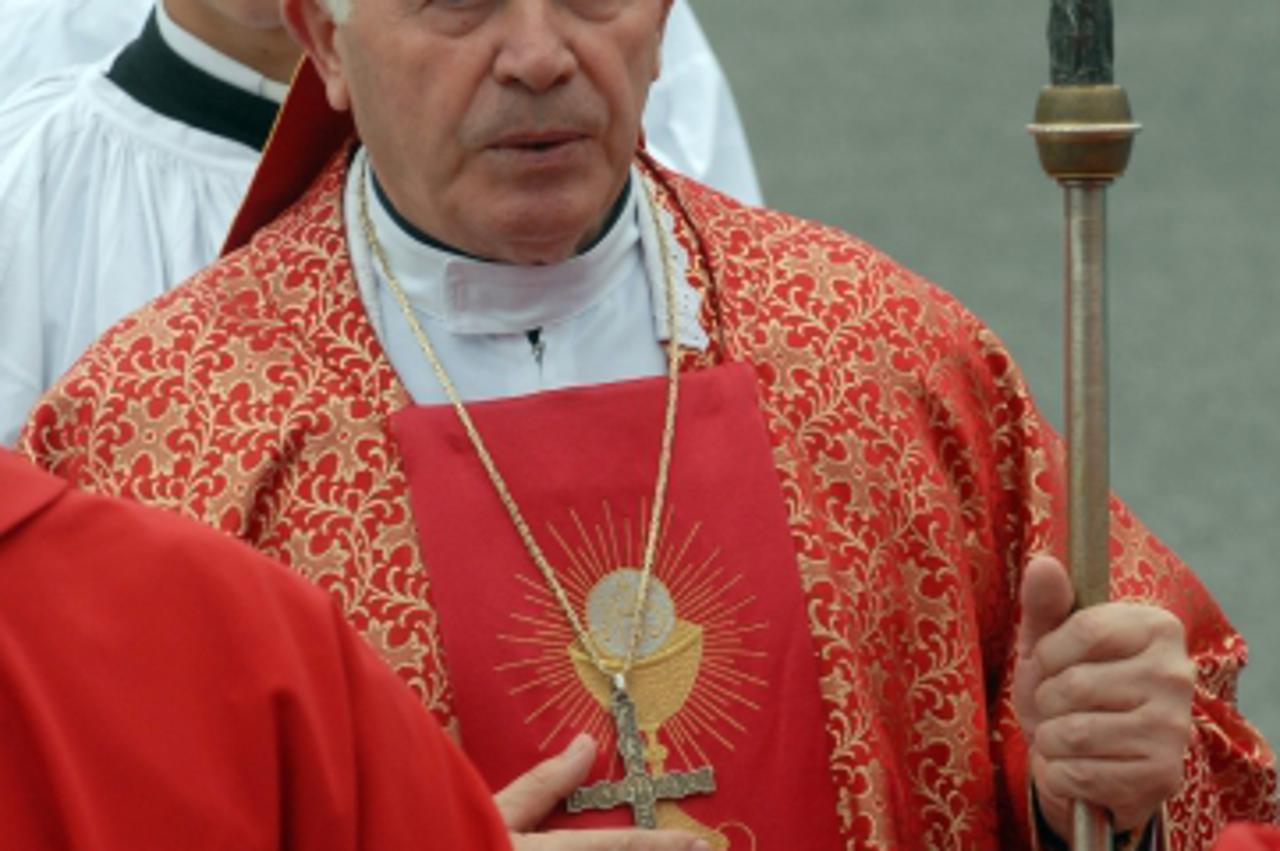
688 686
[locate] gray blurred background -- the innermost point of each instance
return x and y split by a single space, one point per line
905 123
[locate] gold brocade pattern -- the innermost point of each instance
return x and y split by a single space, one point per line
256 398
917 474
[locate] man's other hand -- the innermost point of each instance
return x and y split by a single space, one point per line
533 795
1104 699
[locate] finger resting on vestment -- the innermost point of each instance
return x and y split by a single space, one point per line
528 799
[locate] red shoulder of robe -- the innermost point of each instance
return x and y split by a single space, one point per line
917 473
164 686
1249 837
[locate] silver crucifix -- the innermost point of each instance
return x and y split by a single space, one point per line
638 789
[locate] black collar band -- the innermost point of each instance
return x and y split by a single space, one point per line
427 239
152 73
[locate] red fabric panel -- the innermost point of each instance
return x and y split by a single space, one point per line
729 677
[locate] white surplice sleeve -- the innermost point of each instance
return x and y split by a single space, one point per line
38 37
104 205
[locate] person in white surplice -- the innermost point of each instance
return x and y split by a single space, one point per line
118 178
120 175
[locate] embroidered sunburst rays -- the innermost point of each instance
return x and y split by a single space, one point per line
693 680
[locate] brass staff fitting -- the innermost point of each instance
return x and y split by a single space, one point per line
1084 133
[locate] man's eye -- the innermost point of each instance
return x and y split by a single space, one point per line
597 9
457 17
459 5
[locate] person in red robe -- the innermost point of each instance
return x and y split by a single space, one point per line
164 686
854 620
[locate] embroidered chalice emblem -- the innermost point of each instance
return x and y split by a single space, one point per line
690 687
668 656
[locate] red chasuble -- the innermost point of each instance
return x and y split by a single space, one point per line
725 673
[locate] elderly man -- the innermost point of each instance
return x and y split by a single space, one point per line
582 444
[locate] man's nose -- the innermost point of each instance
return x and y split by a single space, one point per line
535 52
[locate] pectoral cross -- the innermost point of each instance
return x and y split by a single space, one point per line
638 789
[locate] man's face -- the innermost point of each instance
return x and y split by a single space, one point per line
249 31
503 127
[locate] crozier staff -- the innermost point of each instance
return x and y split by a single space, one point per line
1084 133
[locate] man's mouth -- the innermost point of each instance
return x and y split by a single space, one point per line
538 142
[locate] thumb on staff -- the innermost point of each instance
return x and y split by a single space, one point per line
1047 601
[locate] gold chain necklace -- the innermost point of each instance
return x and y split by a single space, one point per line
639 789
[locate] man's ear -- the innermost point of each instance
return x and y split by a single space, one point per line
313 27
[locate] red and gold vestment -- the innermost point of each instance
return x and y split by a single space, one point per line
916 474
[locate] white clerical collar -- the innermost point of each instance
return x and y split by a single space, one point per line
472 296
214 63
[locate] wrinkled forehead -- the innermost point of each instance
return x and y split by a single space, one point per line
339 9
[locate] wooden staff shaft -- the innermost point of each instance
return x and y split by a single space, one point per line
1086 391
1087 412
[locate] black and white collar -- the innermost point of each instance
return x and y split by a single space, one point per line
172 72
